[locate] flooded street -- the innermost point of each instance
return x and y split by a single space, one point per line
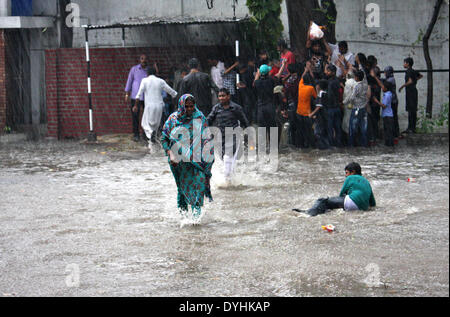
111 215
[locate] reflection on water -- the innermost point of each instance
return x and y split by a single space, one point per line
114 215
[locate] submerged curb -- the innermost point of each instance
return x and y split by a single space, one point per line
427 139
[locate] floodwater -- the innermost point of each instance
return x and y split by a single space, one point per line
95 220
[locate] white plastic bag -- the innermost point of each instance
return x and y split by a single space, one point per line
315 33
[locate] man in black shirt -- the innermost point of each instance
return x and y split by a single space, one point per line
199 85
333 110
317 55
374 113
264 85
246 94
412 96
228 114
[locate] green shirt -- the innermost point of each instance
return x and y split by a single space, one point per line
359 190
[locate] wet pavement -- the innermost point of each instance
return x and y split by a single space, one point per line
101 220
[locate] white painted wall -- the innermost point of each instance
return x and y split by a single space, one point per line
391 42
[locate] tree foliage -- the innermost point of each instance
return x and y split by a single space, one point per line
265 28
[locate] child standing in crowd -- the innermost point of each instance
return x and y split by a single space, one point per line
389 77
387 114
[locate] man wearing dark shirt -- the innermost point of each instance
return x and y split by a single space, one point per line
291 86
412 96
374 107
264 85
199 85
334 115
246 94
228 114
317 55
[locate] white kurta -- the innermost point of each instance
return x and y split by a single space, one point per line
151 89
216 74
349 57
350 85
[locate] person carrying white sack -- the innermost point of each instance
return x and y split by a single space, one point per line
227 114
151 89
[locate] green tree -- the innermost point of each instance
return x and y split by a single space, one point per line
265 28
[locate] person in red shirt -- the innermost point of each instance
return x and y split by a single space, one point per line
287 58
306 92
275 64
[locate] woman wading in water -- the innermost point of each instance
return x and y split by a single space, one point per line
189 148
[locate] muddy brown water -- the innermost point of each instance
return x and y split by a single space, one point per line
83 220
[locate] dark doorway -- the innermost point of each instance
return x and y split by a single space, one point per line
18 85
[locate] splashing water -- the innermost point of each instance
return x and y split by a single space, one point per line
114 214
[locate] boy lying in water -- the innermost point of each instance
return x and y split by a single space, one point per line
356 194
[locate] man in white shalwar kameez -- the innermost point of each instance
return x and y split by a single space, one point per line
151 91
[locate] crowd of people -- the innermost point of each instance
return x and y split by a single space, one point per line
333 98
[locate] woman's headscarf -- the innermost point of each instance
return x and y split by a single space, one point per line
198 140
181 112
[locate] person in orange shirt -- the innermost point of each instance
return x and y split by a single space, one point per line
306 94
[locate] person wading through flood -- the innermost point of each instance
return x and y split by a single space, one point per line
151 90
356 194
228 114
190 151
